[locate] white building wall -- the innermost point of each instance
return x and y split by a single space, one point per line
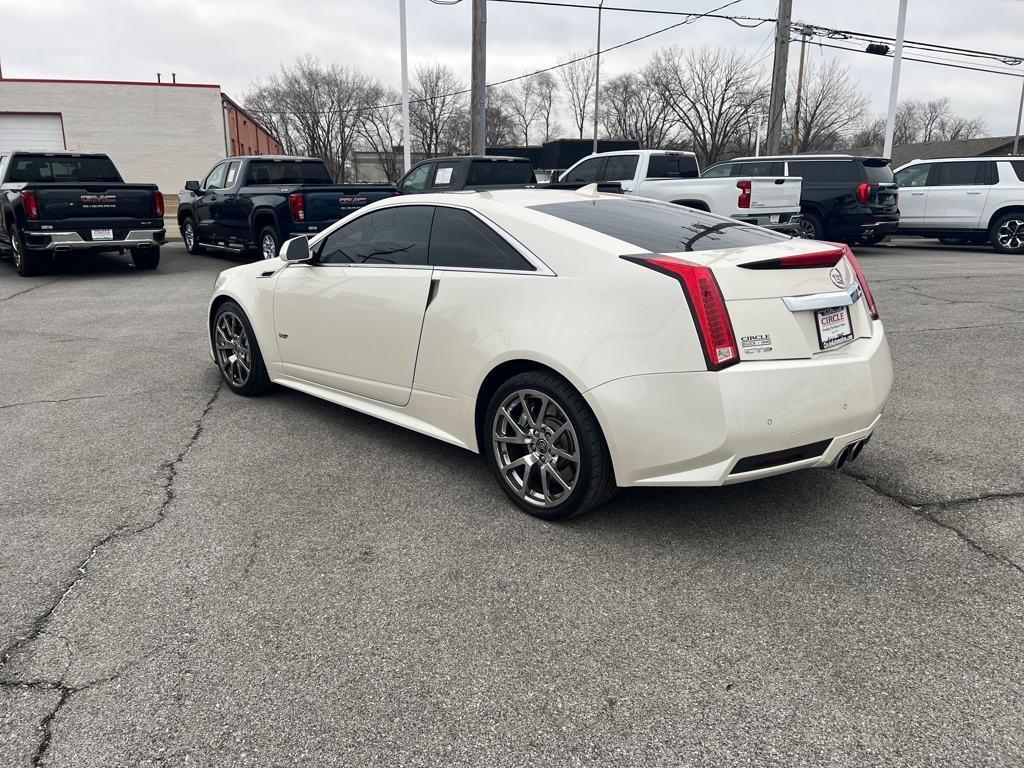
164 134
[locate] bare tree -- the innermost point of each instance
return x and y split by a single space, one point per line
437 109
832 108
522 101
957 128
264 102
710 92
501 127
580 79
547 103
632 107
380 128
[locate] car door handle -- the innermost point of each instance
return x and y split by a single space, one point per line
916 194
974 193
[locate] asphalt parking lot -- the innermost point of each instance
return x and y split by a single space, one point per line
190 578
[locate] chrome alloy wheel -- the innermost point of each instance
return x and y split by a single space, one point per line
268 248
188 234
234 356
807 230
536 447
1011 234
15 249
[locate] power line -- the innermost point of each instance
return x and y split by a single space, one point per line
929 61
708 15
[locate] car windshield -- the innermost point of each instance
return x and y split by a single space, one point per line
659 227
288 172
35 168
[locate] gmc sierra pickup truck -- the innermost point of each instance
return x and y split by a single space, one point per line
674 177
54 203
261 201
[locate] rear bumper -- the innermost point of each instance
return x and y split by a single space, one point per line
863 225
785 222
60 242
682 429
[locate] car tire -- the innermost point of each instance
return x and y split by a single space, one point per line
1007 233
237 353
269 242
26 263
811 227
537 419
190 235
146 258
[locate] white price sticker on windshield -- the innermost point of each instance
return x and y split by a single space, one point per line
443 176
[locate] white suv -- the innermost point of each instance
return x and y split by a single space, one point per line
964 200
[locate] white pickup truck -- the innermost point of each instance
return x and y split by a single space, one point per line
769 201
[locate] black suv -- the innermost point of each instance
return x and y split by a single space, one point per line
844 198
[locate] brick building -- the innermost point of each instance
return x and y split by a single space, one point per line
155 132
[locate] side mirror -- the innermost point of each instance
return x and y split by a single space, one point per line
295 250
193 186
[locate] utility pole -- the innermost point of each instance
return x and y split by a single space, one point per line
757 136
406 139
1020 110
778 97
799 91
478 93
597 78
894 85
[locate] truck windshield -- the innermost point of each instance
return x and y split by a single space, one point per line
44 168
287 172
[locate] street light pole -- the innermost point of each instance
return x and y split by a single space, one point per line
1020 110
597 78
406 140
757 136
478 90
894 86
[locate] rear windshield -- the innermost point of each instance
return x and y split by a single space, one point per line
659 227
878 171
825 170
29 168
487 173
287 172
672 167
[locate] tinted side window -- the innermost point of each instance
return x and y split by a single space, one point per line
460 239
416 181
585 172
484 173
1018 168
719 171
959 174
620 168
216 178
396 235
914 176
659 227
824 170
443 173
762 168
672 167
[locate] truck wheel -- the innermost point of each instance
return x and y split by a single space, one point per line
270 242
811 227
1007 233
28 264
191 236
145 258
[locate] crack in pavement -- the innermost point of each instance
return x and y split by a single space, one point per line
930 510
122 530
956 327
74 399
918 292
29 289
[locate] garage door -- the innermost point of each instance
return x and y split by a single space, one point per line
30 131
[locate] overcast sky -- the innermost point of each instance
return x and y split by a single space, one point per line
232 42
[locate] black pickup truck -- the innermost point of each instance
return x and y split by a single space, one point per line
259 202
54 203
453 174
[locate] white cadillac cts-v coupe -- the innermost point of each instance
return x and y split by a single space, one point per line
580 342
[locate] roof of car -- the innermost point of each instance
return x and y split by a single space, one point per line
918 161
290 158
51 153
805 157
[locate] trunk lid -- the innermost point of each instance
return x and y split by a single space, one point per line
105 200
778 304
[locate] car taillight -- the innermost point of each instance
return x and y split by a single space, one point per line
28 199
827 258
744 199
158 204
707 305
872 308
865 191
298 205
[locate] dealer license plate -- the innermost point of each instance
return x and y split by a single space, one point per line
834 327
103 234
